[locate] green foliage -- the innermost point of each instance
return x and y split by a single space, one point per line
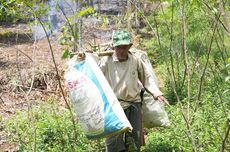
84 12
130 143
204 89
9 10
70 37
68 40
208 130
48 128
66 54
18 10
168 48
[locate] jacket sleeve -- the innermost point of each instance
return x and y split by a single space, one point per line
147 80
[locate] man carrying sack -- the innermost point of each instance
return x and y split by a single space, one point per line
127 75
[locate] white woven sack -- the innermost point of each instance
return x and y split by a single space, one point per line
154 114
96 106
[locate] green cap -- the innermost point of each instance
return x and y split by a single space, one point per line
121 37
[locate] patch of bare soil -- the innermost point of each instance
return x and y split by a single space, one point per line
27 74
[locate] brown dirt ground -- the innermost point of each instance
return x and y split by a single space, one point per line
23 61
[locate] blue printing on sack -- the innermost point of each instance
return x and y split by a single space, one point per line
111 121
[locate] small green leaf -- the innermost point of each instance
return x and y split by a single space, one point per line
227 78
225 91
86 11
65 54
63 41
229 60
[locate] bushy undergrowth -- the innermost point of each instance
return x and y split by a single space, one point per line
10 10
48 128
197 68
208 130
208 118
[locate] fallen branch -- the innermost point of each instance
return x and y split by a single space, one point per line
2 100
7 45
22 86
23 53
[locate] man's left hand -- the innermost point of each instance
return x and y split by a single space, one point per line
162 99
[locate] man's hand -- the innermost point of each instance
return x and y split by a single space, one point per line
162 99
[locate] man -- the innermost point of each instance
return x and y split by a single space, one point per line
127 75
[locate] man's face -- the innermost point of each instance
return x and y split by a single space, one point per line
122 52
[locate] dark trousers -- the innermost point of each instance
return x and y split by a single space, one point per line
129 141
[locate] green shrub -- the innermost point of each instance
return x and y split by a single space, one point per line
48 128
9 11
208 129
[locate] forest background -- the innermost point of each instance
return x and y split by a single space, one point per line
188 42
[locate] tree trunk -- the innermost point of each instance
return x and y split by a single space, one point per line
129 11
137 7
99 6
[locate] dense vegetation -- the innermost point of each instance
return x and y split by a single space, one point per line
9 11
189 42
193 45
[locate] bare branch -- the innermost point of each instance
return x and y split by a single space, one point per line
32 82
206 64
145 18
170 47
222 12
225 137
129 11
17 64
185 52
70 26
217 17
57 73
